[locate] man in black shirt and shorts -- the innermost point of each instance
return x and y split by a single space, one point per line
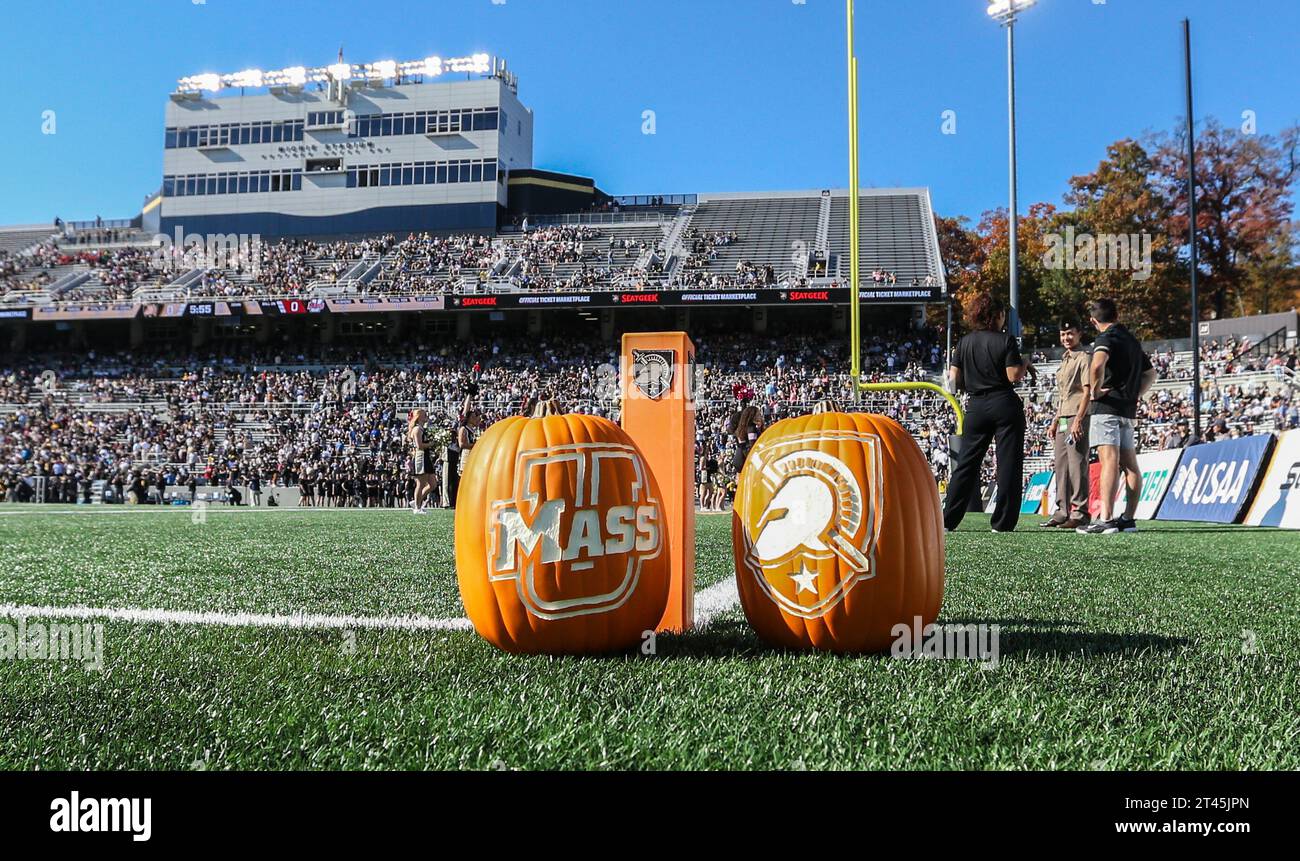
1121 374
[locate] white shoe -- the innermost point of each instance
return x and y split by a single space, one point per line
419 511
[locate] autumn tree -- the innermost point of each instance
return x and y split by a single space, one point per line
1249 248
961 251
1124 196
1243 201
1272 280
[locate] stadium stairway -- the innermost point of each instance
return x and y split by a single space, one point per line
674 252
822 245
72 280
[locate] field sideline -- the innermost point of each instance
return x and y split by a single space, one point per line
1173 648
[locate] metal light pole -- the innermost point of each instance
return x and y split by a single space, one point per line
1191 229
1005 12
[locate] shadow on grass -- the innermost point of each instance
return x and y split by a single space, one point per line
1211 528
1031 638
724 638
1014 623
1154 527
1017 638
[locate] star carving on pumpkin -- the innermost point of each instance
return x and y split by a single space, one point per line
805 580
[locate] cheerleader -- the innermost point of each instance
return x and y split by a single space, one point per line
421 458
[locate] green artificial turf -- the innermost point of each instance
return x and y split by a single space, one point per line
1172 648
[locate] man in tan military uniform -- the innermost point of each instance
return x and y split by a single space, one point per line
1070 433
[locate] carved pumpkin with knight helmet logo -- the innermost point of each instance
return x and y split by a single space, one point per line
837 532
561 540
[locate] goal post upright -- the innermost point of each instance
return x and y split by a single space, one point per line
855 314
855 308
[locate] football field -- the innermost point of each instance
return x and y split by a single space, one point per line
334 639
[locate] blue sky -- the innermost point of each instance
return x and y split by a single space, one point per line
747 94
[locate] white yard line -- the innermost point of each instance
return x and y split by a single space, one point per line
714 601
709 604
236 620
37 510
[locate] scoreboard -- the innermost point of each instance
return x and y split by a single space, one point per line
291 306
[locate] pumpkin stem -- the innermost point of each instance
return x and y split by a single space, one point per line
547 407
826 405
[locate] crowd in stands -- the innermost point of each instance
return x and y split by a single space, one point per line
702 246
552 258
1228 410
747 275
423 263
331 420
11 267
115 273
1218 359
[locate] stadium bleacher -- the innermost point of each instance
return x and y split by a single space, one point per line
17 239
780 237
896 234
282 418
771 229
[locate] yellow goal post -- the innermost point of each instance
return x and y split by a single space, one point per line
855 310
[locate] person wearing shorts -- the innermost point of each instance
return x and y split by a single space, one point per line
1120 374
421 458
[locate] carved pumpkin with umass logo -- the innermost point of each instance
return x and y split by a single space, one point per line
837 533
561 544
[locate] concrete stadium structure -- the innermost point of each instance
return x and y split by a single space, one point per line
354 155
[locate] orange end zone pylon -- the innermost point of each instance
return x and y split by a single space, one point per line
657 376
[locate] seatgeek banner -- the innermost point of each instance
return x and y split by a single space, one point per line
1157 468
1214 482
1035 492
1277 502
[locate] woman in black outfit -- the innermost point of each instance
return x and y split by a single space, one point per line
987 364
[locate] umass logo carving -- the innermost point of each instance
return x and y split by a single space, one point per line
578 530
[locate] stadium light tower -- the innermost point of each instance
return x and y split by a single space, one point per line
1005 13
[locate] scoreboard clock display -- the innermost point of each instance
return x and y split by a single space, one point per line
292 306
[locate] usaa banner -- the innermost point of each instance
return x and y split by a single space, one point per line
1278 501
1214 482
